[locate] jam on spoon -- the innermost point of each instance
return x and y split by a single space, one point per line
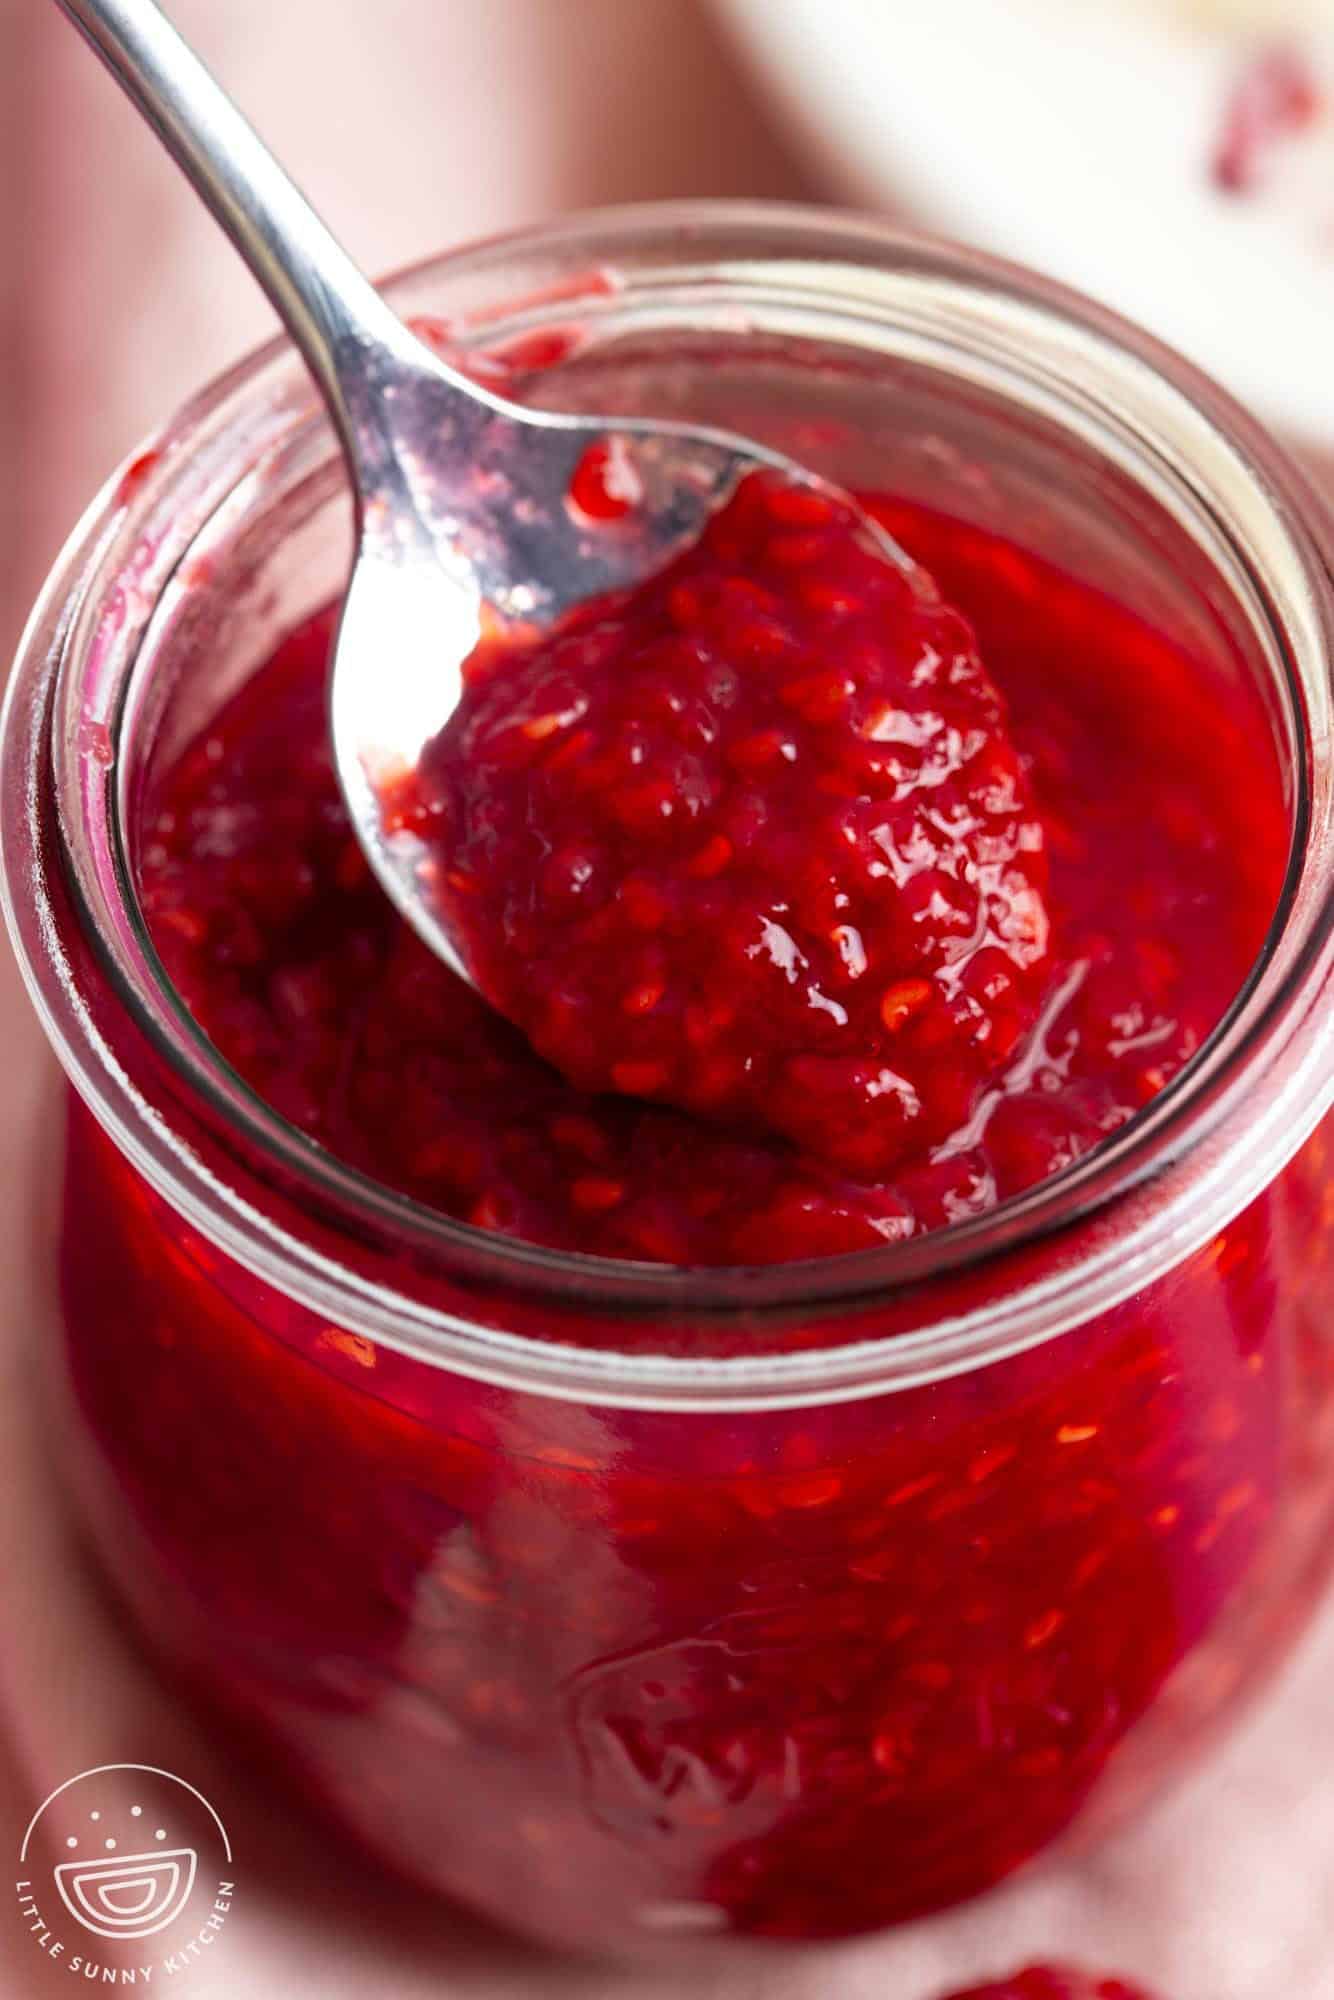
751 839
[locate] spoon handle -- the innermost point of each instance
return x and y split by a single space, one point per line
347 334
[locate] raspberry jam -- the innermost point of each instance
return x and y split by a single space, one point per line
1054 1982
753 840
626 1675
1105 798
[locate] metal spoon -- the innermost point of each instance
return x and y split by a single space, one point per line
461 496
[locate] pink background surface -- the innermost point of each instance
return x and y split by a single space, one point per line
119 298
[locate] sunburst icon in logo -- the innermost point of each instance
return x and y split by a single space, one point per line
132 1897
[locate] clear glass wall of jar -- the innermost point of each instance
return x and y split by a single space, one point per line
636 1604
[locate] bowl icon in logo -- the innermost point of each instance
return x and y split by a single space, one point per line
130 1897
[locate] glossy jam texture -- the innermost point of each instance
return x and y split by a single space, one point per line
1156 893
751 840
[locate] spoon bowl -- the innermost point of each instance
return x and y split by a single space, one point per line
464 500
492 533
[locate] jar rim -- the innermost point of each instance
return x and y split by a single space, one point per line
1185 1127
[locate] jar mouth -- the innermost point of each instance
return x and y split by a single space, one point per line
1174 1173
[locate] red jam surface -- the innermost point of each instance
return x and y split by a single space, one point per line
752 840
1157 897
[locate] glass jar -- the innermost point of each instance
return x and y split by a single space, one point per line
629 1603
